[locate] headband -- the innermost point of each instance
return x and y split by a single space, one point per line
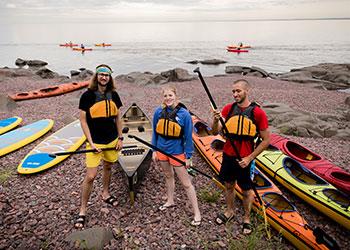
103 69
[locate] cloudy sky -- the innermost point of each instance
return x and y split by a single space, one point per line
24 11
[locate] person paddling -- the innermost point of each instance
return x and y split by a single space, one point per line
172 133
100 120
244 120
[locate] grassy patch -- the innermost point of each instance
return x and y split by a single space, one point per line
209 195
5 174
258 239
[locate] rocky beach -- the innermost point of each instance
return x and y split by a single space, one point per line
38 211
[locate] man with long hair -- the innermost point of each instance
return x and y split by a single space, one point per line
100 120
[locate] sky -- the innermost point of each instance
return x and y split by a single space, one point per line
46 11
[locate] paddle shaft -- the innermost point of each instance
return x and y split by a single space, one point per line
86 151
176 159
213 104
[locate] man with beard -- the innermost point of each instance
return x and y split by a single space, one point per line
245 121
100 120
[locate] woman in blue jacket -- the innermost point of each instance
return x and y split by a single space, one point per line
172 133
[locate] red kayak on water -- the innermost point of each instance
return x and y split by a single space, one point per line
237 50
316 163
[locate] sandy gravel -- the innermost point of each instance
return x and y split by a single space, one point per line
37 211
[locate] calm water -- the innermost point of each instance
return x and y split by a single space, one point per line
278 46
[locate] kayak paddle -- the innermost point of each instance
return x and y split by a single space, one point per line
218 183
54 155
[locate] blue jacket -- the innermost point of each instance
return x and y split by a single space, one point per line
175 146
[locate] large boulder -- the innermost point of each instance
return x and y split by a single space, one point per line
142 78
177 75
20 62
36 63
46 73
330 76
302 123
213 61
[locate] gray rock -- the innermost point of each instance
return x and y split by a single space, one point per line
46 73
193 62
213 61
36 63
236 69
92 238
7 104
20 62
74 73
260 70
177 75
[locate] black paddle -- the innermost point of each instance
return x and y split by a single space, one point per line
178 160
54 155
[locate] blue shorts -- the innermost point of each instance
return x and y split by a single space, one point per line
231 171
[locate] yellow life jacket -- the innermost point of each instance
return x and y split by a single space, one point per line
240 124
104 107
168 126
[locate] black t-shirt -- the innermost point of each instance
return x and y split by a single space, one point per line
101 112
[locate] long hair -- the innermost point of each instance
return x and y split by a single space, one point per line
93 85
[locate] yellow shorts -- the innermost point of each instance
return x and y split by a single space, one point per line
94 159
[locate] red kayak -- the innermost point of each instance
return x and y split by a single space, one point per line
237 50
81 49
316 163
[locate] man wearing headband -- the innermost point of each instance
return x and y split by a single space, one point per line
100 120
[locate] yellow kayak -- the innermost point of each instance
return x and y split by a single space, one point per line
305 184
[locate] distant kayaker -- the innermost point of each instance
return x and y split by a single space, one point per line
82 46
240 45
245 120
172 133
101 123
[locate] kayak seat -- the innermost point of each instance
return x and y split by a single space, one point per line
217 145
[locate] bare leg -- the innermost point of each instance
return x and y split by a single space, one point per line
189 188
230 195
169 182
248 197
106 179
86 188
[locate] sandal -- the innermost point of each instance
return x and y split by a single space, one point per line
247 228
111 200
196 223
164 207
223 219
80 222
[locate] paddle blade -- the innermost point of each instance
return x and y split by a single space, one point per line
37 160
323 238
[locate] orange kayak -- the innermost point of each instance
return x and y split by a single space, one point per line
281 213
68 45
103 44
50 91
80 49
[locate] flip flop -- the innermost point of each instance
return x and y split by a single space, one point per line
111 200
247 228
196 223
80 221
164 207
222 219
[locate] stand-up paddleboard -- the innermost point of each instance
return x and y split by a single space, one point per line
68 138
20 137
9 123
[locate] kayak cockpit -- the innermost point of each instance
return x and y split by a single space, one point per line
202 129
217 144
278 202
301 152
338 197
300 173
260 181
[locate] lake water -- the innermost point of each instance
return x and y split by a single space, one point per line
277 46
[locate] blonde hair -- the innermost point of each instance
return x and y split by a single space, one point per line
172 89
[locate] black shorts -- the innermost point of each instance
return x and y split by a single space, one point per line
231 171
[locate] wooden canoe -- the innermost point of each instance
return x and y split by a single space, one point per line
135 161
49 91
280 212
